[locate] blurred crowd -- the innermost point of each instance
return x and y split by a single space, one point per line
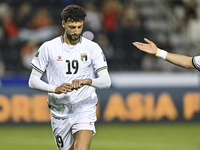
114 24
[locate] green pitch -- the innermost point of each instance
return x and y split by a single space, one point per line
150 136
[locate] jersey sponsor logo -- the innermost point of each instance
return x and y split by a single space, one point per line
59 58
104 58
84 57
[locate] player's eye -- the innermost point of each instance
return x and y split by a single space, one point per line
71 27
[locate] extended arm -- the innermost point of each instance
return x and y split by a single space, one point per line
176 59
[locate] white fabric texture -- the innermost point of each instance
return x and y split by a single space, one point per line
103 81
36 83
64 63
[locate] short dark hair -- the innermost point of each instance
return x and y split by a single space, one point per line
73 13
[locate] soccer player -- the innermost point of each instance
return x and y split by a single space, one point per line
176 59
70 62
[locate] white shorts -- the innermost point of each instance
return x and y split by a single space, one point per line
63 129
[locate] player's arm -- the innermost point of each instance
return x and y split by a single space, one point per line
151 48
102 82
36 83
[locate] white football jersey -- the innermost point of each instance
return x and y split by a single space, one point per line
64 63
196 62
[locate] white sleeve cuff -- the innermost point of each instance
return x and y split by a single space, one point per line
52 88
161 53
37 84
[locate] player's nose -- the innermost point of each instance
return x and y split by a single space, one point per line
76 31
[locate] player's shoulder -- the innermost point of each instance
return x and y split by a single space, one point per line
88 43
53 42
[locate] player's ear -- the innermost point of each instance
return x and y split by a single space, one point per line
63 24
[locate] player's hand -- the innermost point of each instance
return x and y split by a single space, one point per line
63 88
150 48
78 83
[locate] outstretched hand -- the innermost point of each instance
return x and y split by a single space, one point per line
150 48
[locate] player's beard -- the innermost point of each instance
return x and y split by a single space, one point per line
73 38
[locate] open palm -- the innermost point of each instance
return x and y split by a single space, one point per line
150 48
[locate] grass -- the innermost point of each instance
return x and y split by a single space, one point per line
140 136
148 137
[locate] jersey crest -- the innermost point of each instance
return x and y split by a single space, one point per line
84 57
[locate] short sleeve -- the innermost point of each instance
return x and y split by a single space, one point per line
196 62
98 59
40 61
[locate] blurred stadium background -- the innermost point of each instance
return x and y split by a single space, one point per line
152 104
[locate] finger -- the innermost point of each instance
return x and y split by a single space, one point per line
63 91
148 41
74 84
80 84
134 43
70 90
67 85
137 43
